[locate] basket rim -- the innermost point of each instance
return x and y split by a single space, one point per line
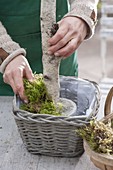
22 114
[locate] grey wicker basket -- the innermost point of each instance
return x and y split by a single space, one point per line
56 135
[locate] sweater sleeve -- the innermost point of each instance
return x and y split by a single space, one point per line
8 49
86 10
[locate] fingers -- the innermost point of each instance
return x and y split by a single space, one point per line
62 42
15 80
66 46
14 73
18 80
69 48
28 73
71 33
62 31
12 84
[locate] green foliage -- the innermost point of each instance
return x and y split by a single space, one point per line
39 100
99 136
49 107
36 90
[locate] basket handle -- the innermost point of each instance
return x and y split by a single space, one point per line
107 107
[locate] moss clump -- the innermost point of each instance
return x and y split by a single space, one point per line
39 100
99 136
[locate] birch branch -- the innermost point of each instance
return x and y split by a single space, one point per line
50 62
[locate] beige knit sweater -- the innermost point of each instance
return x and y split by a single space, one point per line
85 9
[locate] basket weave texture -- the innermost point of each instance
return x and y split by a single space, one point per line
55 135
102 161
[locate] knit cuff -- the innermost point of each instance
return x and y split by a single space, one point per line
10 58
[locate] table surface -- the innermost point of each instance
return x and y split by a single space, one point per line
14 156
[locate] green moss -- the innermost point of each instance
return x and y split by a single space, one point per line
99 136
49 107
39 100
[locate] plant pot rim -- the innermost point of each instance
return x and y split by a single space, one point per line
100 157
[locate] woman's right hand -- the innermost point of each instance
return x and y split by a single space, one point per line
15 71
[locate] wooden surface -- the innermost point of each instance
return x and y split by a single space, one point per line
14 156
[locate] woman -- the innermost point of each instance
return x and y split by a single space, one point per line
20 36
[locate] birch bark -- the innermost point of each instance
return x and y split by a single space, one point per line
50 62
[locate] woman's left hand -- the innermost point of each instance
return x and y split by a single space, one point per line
71 33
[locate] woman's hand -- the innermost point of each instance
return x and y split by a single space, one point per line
71 33
14 73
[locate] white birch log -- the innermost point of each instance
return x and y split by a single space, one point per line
50 62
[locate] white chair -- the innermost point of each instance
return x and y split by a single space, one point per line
106 30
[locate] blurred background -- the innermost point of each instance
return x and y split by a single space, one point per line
95 56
